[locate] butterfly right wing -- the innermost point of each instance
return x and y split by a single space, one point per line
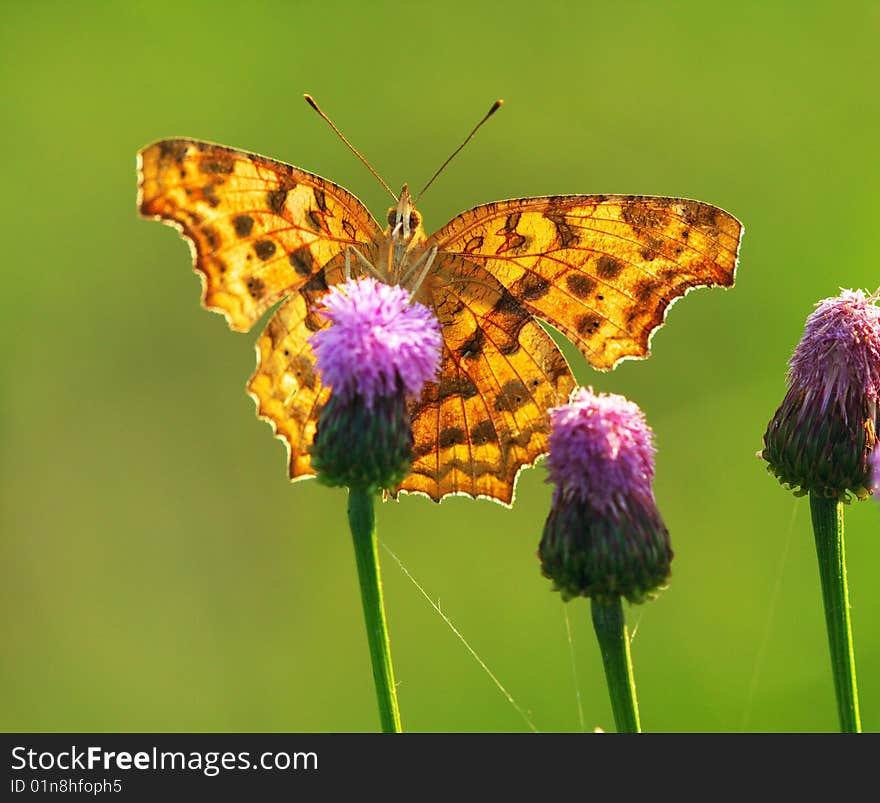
602 269
486 417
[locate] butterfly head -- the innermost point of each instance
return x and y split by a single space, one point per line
404 222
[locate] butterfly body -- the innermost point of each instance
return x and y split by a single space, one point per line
603 270
403 257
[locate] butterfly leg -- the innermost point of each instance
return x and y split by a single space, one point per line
428 259
362 259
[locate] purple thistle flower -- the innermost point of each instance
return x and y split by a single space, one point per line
604 537
600 448
378 339
820 437
379 351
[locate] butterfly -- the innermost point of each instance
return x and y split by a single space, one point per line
601 269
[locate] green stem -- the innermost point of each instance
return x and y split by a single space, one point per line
362 519
830 549
613 638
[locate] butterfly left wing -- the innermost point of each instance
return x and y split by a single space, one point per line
285 385
261 230
603 269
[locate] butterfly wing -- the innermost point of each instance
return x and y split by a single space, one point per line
602 269
486 418
285 386
261 230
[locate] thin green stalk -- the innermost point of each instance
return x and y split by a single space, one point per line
830 549
610 626
362 519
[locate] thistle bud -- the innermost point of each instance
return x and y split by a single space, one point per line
823 433
378 352
604 537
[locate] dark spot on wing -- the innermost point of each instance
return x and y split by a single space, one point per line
264 249
317 284
510 344
460 385
582 286
531 287
514 241
172 149
451 436
698 214
256 288
474 345
243 225
209 194
589 324
474 244
564 232
320 199
275 200
219 164
349 228
512 396
646 290
211 236
315 221
508 305
483 433
640 216
301 260
608 267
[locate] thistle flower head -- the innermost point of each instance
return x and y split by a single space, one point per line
379 351
601 449
378 341
820 437
839 354
604 537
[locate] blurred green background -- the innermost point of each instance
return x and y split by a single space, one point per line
158 570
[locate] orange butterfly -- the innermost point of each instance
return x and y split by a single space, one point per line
603 269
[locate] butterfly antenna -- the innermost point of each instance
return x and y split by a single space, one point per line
311 101
495 107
